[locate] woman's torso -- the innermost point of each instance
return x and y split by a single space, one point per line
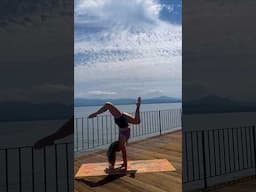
122 122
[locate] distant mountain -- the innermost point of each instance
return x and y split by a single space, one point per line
24 111
216 104
95 102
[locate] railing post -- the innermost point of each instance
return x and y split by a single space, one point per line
6 170
20 169
82 133
254 147
160 127
76 128
45 176
204 160
180 116
67 168
33 169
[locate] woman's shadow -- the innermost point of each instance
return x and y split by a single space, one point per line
109 178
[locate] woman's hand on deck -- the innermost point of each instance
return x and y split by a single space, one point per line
124 166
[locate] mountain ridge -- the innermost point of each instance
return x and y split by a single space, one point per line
217 104
78 102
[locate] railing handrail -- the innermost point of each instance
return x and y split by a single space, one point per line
238 151
225 128
32 146
101 131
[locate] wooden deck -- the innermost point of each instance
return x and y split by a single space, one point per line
167 146
247 184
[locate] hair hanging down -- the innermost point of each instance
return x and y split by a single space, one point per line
111 153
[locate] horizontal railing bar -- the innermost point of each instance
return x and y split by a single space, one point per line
198 130
31 146
101 130
156 111
229 150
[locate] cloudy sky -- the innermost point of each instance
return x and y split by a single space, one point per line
127 48
219 49
36 61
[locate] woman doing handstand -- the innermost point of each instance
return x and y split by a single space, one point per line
122 119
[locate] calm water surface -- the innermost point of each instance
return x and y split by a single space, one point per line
84 111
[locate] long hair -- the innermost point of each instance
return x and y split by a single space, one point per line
111 153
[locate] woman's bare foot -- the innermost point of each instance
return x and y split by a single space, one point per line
138 102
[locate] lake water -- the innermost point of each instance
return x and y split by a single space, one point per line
26 133
84 111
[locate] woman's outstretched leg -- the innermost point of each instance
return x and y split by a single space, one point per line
107 106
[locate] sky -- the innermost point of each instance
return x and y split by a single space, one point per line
36 63
219 50
125 49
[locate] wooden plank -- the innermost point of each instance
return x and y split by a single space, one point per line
138 186
167 146
139 166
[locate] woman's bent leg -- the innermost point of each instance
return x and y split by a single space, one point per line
110 107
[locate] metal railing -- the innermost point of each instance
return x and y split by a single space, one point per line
98 132
26 169
216 156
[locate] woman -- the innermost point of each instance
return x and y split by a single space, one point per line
64 131
122 120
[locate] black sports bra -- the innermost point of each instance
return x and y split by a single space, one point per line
121 121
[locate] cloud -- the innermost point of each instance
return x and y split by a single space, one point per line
127 78
98 92
155 92
114 30
121 13
123 43
95 93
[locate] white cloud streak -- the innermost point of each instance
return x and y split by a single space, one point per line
125 41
